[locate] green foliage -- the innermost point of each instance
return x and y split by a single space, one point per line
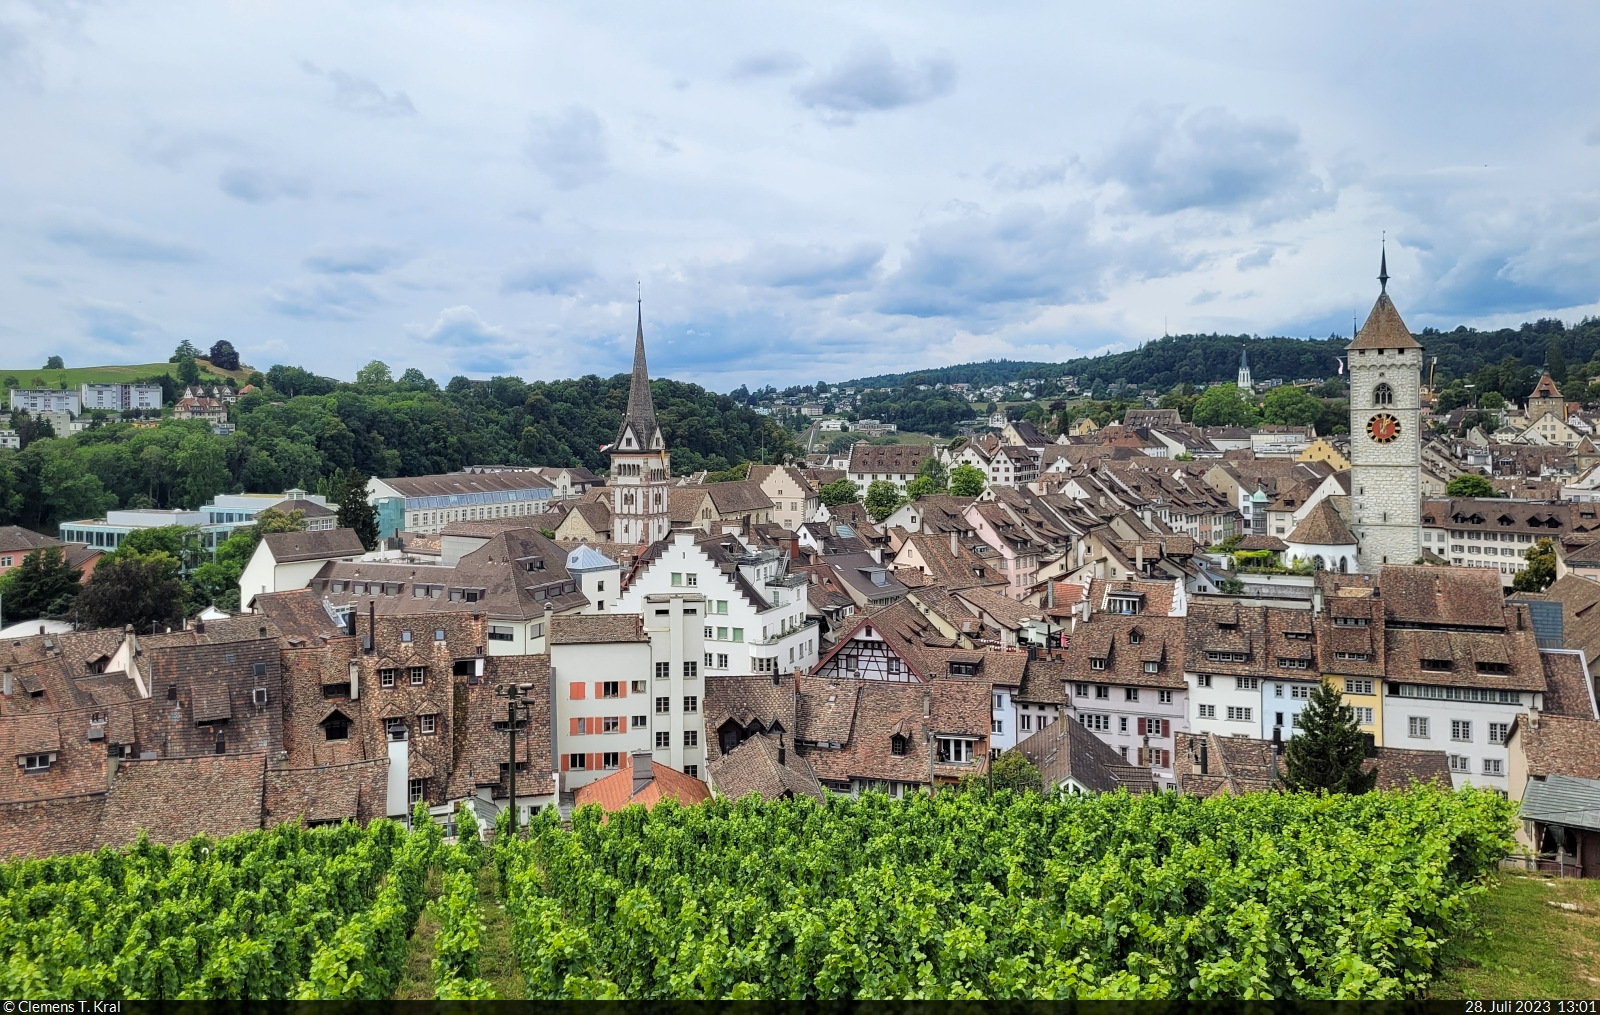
841 443
1470 484
920 487
932 470
290 912
348 489
277 520
374 375
302 430
139 589
737 474
840 491
188 370
43 585
935 411
458 943
1291 406
1224 405
1228 545
1540 570
882 499
1491 401
54 363
1013 771
1328 753
223 355
1231 587
966 480
974 896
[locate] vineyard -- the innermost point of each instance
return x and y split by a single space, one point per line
286 913
963 896
960 896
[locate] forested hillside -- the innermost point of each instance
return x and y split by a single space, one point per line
300 429
1204 359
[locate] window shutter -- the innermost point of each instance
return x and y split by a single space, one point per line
599 689
1166 727
564 760
594 762
576 689
622 688
574 723
1166 759
622 723
1142 729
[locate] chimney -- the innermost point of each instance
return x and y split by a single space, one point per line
927 703
372 627
199 625
955 551
1138 558
1050 596
643 770
5 682
1277 740
782 753
1205 761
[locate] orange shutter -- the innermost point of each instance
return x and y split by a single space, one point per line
622 723
1166 727
574 730
576 690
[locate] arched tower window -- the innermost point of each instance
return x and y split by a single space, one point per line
1383 395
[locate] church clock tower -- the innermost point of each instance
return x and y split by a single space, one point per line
1385 436
640 464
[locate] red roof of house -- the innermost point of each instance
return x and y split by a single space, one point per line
615 791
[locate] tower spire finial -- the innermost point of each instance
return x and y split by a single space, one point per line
1383 262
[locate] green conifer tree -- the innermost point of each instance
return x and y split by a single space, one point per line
1328 752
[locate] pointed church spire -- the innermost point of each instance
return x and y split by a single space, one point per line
641 414
1383 266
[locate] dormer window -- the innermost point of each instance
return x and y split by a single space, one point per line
1440 665
897 745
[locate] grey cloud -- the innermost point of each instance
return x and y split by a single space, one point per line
337 298
356 260
116 324
1258 258
976 265
1204 296
174 149
257 187
360 95
1213 160
869 78
774 63
478 346
555 273
816 268
569 148
115 239
1005 177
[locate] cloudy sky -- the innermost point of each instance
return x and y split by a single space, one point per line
800 191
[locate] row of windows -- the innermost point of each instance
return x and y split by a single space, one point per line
664 670
1463 764
1128 693
725 634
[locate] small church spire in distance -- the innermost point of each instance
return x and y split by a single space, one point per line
1383 265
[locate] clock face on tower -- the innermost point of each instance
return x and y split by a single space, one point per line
1383 428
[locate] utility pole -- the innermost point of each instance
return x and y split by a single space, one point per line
515 702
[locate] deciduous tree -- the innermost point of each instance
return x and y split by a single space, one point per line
966 480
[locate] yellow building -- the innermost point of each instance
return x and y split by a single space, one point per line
1365 695
1322 450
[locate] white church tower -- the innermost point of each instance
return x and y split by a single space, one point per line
1244 371
640 464
1385 436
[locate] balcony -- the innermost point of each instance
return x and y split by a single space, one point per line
779 639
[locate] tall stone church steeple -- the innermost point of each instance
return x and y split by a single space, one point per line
640 463
1385 436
